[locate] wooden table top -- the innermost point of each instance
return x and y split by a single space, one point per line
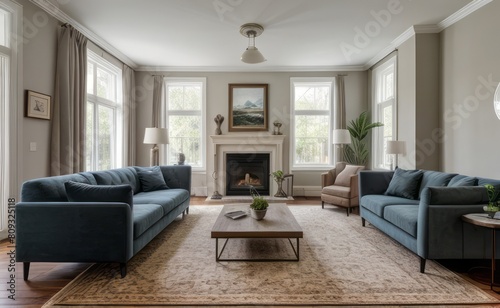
279 222
482 219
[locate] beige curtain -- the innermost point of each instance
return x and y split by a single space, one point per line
129 116
70 97
157 90
339 112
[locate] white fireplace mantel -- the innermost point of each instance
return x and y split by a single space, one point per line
245 143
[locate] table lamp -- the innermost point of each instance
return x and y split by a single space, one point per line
341 137
155 136
395 147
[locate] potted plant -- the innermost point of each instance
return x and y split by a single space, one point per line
492 206
258 207
278 176
356 153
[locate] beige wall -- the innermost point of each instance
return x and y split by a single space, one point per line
470 66
40 43
217 103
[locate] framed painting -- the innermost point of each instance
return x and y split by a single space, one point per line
37 105
248 107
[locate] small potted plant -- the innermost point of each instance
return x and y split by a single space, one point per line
278 176
492 206
258 207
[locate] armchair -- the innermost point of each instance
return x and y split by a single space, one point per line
339 186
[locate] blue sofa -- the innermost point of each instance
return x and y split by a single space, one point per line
98 217
430 224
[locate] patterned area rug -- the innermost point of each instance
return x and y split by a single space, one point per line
342 263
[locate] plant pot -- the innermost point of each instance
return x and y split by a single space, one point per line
491 214
280 193
258 214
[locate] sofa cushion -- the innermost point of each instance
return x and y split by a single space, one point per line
340 191
405 183
119 176
49 189
403 216
377 203
435 178
168 199
79 192
462 180
144 216
151 179
344 177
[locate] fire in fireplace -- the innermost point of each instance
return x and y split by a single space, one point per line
247 169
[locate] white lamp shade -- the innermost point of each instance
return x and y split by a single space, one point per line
252 55
341 136
396 147
155 135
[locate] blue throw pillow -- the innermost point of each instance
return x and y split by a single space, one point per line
151 179
462 181
405 183
79 192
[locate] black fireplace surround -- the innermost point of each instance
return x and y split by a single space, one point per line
247 169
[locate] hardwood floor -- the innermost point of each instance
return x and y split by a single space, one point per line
46 279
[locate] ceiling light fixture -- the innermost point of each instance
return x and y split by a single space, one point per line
252 55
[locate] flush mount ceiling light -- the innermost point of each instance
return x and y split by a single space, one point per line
252 54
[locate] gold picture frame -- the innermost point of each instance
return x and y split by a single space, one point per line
248 106
38 105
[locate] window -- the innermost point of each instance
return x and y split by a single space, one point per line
184 116
10 85
104 128
311 123
384 106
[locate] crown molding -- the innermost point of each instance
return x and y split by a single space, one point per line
462 13
250 68
54 11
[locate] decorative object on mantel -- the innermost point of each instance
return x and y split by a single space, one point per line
259 205
216 194
278 176
277 125
218 120
181 159
493 203
155 136
248 107
37 105
252 55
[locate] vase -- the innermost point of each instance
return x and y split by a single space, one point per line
280 193
490 213
258 214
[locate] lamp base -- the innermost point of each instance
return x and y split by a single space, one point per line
154 156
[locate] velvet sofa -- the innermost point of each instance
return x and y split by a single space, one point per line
424 212
98 217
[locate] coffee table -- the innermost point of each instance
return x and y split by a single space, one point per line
279 222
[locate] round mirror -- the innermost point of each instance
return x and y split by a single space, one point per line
496 101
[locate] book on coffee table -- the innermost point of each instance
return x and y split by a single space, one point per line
235 214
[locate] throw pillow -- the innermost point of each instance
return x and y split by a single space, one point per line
462 181
344 177
405 183
80 192
151 179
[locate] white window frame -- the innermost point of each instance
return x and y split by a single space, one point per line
378 153
117 107
11 114
202 113
330 81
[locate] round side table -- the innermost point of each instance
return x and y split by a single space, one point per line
484 221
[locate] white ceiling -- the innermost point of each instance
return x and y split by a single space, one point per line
298 34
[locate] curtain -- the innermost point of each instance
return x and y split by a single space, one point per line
157 90
339 112
129 116
70 99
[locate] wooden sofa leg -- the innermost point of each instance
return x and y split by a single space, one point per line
322 204
363 221
348 209
187 210
26 270
123 269
422 265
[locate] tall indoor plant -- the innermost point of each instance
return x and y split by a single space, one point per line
357 152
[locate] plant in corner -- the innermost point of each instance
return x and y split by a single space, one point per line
356 153
493 195
259 205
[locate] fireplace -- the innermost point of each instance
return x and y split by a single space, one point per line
247 169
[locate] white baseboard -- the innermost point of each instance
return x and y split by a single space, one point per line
201 191
307 191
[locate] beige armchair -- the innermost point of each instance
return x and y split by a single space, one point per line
340 186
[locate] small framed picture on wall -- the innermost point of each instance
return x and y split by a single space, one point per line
38 105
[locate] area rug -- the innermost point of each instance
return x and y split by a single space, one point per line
341 263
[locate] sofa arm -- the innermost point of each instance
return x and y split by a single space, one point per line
73 232
374 182
326 179
440 227
354 184
177 176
